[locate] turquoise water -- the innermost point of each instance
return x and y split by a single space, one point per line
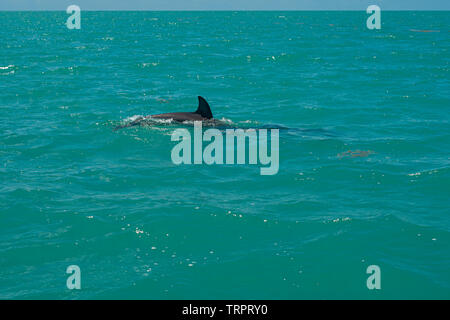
364 166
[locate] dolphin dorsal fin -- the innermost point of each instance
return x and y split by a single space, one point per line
203 108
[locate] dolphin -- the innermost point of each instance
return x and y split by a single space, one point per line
203 113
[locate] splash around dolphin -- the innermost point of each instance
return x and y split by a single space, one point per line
203 113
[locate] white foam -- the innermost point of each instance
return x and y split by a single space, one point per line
132 118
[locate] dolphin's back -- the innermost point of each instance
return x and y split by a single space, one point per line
179 116
203 113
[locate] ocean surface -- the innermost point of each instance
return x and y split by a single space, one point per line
364 171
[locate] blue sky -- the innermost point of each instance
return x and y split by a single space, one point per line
224 4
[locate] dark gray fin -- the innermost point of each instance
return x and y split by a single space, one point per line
203 108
